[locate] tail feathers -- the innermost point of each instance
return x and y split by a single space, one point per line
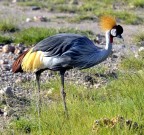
16 67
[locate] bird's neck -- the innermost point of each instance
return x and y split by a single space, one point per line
96 56
107 50
104 53
109 41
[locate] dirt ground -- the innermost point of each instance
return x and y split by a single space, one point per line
19 14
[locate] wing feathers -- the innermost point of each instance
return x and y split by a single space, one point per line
16 67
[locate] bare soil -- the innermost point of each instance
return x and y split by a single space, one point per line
19 14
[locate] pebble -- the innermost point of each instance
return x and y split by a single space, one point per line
1 112
40 18
8 111
3 62
35 8
28 20
141 49
8 48
74 2
6 67
7 91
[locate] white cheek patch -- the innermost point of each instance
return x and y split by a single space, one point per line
113 32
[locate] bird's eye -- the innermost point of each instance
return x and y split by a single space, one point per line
113 32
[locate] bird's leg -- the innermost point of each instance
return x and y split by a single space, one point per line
38 84
63 92
39 99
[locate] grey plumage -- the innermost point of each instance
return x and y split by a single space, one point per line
70 50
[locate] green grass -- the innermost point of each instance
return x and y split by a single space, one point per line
138 3
87 10
5 39
8 25
122 97
138 38
132 63
31 36
80 18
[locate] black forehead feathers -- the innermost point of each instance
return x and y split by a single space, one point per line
119 29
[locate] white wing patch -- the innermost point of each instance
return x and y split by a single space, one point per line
54 62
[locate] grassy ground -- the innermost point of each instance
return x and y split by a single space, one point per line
122 97
89 9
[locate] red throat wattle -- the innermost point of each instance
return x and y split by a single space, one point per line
111 39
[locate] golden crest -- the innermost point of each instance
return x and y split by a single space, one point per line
107 22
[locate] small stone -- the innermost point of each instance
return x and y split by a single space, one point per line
129 123
8 111
19 80
35 8
135 125
141 49
6 67
90 79
18 50
8 91
14 1
40 18
97 85
1 112
3 62
12 49
8 48
28 20
74 2
106 121
5 49
115 56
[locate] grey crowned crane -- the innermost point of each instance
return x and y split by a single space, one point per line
65 51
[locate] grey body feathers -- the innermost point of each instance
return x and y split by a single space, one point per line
70 51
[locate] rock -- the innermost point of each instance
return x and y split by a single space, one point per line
40 18
18 50
0 48
90 79
14 1
8 111
115 56
141 49
5 49
135 125
74 2
1 112
6 67
129 123
7 91
35 8
3 62
28 20
19 80
97 85
8 48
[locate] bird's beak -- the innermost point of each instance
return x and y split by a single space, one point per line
120 36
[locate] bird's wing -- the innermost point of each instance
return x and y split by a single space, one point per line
63 50
57 44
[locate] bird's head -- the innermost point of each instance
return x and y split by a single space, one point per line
108 23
